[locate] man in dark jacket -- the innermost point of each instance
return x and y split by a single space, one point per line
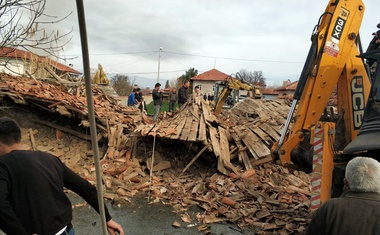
183 94
32 200
357 211
172 99
142 105
157 100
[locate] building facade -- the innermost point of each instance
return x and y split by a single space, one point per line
23 63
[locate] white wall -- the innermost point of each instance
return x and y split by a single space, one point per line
13 67
206 86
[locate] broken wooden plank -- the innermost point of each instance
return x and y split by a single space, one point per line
193 130
186 129
202 129
179 128
243 156
194 159
269 130
224 151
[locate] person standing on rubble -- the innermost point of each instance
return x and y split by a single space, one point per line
32 199
358 209
142 105
157 100
133 97
183 94
172 99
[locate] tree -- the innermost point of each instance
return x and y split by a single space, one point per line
20 27
186 77
255 77
167 84
121 84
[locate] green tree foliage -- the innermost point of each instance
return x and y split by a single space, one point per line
192 72
254 78
121 84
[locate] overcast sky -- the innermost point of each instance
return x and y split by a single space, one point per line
272 36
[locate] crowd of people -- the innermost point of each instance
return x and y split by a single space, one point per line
174 96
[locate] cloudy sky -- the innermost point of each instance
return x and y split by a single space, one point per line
272 36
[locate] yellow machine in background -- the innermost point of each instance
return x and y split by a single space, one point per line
320 146
100 76
230 85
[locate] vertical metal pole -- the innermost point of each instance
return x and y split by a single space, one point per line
159 61
90 107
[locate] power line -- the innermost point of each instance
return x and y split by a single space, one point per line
195 55
155 72
229 58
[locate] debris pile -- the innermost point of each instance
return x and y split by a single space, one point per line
267 197
110 115
251 191
246 132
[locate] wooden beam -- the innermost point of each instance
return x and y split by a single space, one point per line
194 159
66 130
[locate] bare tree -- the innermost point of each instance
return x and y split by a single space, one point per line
122 84
22 26
255 77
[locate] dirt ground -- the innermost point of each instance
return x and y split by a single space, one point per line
137 215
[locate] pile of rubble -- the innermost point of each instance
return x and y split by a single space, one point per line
251 191
246 131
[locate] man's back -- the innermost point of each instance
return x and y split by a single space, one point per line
36 192
353 213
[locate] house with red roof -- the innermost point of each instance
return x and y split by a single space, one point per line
206 81
286 91
22 63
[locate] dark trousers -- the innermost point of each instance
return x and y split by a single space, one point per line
171 105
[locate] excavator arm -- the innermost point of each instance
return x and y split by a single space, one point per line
234 84
331 65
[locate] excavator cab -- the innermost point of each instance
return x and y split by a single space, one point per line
367 141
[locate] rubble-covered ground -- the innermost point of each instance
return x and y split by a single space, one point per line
269 198
234 180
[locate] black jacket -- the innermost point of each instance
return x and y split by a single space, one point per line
352 213
32 200
182 95
157 97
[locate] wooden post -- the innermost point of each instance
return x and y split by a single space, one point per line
194 159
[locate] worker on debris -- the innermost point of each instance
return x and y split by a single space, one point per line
357 210
140 94
132 98
172 99
157 100
142 105
32 200
196 90
183 94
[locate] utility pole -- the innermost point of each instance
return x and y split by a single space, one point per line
159 60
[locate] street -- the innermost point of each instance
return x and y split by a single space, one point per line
141 218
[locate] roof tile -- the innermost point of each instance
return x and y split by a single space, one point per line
211 75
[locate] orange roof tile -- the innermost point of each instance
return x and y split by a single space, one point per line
16 53
288 87
211 75
270 92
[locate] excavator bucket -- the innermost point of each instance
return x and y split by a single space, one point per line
368 138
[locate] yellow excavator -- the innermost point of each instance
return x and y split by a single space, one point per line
100 76
319 144
230 86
